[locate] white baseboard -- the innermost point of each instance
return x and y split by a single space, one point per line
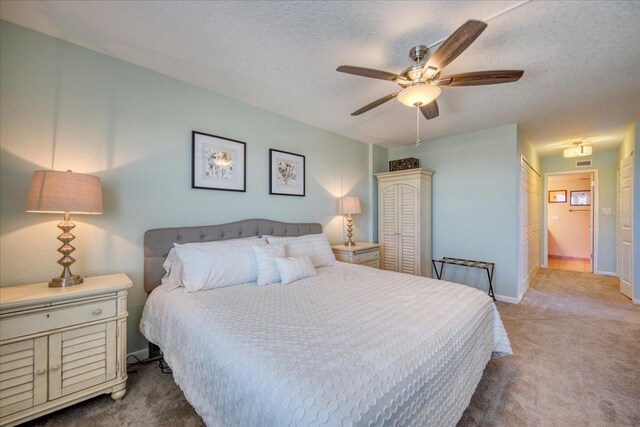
510 300
606 273
141 354
636 301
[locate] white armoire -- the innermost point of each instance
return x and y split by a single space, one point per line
404 221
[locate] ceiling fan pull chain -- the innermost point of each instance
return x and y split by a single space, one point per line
418 143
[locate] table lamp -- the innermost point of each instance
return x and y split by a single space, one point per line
65 192
348 205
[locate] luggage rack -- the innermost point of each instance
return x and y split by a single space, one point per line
487 266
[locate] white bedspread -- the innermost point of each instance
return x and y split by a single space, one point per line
351 346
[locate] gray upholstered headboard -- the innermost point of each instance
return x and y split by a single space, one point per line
159 241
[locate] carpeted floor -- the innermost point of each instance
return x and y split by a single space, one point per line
576 362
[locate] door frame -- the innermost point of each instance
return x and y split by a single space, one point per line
594 218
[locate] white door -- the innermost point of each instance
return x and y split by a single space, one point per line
529 225
625 221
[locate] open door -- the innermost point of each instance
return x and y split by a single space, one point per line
625 221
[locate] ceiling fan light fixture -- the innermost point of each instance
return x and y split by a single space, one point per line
578 150
420 94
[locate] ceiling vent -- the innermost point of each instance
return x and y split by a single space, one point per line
583 163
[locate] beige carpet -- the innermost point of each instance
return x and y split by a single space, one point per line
576 362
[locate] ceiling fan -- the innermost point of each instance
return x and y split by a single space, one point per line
421 81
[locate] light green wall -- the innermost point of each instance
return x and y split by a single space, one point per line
475 198
66 107
379 163
628 148
605 162
527 150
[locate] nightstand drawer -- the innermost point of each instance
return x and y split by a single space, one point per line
56 317
371 255
374 264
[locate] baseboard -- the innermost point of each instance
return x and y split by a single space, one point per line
141 354
636 301
510 300
571 258
607 273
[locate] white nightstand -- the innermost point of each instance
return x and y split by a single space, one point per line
363 253
60 346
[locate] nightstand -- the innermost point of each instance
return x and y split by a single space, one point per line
363 253
60 346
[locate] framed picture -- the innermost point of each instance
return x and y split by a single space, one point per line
558 196
218 163
286 173
580 198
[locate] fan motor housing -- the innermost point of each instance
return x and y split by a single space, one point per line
419 54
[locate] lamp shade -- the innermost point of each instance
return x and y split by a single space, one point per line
349 205
58 192
420 94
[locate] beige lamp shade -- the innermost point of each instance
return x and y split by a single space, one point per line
348 205
58 192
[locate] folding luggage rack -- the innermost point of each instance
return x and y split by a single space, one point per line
487 266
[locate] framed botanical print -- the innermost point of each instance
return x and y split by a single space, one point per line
218 163
286 173
558 196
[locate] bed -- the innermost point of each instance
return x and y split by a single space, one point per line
350 346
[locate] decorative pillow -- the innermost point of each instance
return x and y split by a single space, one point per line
315 246
265 259
217 264
294 268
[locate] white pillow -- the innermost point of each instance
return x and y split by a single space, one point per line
315 246
173 266
294 268
217 264
265 259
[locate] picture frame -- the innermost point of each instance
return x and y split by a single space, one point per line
218 163
557 196
580 198
286 173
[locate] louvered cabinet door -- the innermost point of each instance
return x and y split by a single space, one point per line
408 248
81 358
23 375
388 227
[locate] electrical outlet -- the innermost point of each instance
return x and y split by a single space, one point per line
607 211
556 218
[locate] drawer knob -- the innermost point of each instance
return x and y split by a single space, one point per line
55 367
97 311
40 371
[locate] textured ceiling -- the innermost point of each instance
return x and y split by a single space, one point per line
581 59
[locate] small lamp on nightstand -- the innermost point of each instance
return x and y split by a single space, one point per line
65 192
348 205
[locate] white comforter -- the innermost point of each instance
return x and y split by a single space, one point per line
351 346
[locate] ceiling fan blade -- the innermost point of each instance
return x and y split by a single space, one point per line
453 46
374 104
480 78
367 72
430 111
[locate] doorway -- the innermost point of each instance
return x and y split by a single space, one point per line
570 231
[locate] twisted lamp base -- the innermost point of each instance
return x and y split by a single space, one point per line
66 278
349 242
